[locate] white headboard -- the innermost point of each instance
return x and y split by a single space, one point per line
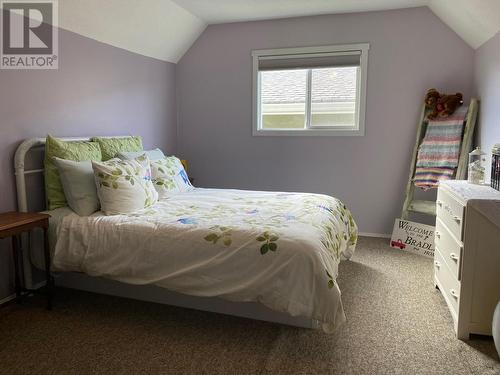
21 169
28 162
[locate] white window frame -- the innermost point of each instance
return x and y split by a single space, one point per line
359 130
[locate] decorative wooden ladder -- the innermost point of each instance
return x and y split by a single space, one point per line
429 207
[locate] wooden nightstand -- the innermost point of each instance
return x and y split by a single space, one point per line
13 224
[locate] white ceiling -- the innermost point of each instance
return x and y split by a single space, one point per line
222 11
166 29
475 21
155 28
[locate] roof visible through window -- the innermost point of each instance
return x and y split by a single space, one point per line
330 85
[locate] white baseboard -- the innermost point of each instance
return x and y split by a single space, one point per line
380 235
13 296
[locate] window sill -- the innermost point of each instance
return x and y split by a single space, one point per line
310 132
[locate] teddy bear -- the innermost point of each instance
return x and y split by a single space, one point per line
441 105
431 99
447 104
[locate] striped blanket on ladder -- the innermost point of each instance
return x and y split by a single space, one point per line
439 152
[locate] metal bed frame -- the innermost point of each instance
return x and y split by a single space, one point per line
151 293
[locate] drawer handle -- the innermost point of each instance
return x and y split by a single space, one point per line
458 219
437 264
454 293
454 257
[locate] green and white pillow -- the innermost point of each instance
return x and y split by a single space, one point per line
124 186
155 154
169 177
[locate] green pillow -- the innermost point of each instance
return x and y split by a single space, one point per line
77 178
155 154
112 146
73 150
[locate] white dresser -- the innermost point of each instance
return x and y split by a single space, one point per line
467 254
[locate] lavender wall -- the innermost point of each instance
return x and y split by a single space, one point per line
487 86
98 90
410 51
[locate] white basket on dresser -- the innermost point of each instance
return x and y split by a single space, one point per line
467 254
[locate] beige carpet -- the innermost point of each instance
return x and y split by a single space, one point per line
397 324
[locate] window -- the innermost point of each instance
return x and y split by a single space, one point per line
310 91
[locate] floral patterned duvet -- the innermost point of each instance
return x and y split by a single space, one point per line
279 249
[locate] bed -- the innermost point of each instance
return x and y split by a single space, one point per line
266 255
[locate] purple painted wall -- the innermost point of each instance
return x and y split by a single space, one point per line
410 51
487 86
98 90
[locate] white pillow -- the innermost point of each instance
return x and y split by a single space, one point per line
124 186
169 177
77 178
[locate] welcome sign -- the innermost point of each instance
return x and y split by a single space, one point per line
413 237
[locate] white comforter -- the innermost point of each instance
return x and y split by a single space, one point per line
280 249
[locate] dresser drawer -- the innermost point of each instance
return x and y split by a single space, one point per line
449 285
451 212
449 248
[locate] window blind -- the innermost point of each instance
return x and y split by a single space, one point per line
309 60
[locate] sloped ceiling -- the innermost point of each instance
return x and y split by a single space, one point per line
166 29
223 11
475 21
156 28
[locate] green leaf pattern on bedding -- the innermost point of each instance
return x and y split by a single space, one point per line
220 233
169 177
124 186
166 171
269 240
279 249
331 282
270 228
124 172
